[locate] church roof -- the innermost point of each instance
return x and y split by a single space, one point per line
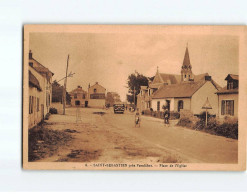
183 89
186 89
171 78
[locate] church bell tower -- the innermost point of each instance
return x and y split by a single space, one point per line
186 71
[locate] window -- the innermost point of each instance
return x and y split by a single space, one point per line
75 96
230 85
180 105
227 107
37 104
184 76
158 106
95 90
31 100
83 96
31 64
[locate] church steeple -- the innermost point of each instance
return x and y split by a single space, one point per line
186 72
186 62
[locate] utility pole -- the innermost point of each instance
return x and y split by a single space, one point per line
134 97
64 89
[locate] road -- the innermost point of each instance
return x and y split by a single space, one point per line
113 138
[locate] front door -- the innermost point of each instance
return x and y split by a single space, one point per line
86 103
77 103
168 104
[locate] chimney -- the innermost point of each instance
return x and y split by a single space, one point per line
30 55
97 83
208 78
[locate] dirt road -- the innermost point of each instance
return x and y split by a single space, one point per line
113 138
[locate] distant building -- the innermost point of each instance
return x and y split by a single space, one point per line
79 97
96 96
179 92
40 91
228 97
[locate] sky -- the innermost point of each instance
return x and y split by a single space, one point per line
109 58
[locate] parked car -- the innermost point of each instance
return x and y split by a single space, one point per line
118 108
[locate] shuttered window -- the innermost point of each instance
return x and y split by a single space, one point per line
227 107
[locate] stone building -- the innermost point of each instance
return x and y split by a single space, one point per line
96 96
79 97
186 91
40 91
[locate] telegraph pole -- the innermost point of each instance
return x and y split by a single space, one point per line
64 89
134 97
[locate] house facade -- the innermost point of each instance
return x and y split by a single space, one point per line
184 91
228 97
40 91
79 97
96 96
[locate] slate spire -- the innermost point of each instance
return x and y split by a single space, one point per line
186 72
186 62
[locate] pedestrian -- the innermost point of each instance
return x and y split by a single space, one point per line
166 116
137 118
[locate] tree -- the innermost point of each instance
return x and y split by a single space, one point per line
135 81
112 98
57 93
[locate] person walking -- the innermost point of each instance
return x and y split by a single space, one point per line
166 116
137 118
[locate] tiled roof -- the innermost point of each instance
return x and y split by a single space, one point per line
227 91
186 89
78 90
33 81
41 68
233 76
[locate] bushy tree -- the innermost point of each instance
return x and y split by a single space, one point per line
57 93
135 81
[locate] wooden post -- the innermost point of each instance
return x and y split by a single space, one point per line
134 97
64 89
206 117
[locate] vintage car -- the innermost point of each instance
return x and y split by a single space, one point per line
118 108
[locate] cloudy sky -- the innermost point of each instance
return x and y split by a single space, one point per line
110 58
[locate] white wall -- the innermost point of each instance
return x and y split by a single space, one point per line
162 102
200 97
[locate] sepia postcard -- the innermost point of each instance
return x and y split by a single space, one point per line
134 97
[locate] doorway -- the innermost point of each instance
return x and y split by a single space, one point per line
77 103
168 104
180 105
86 103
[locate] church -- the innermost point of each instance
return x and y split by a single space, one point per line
184 91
